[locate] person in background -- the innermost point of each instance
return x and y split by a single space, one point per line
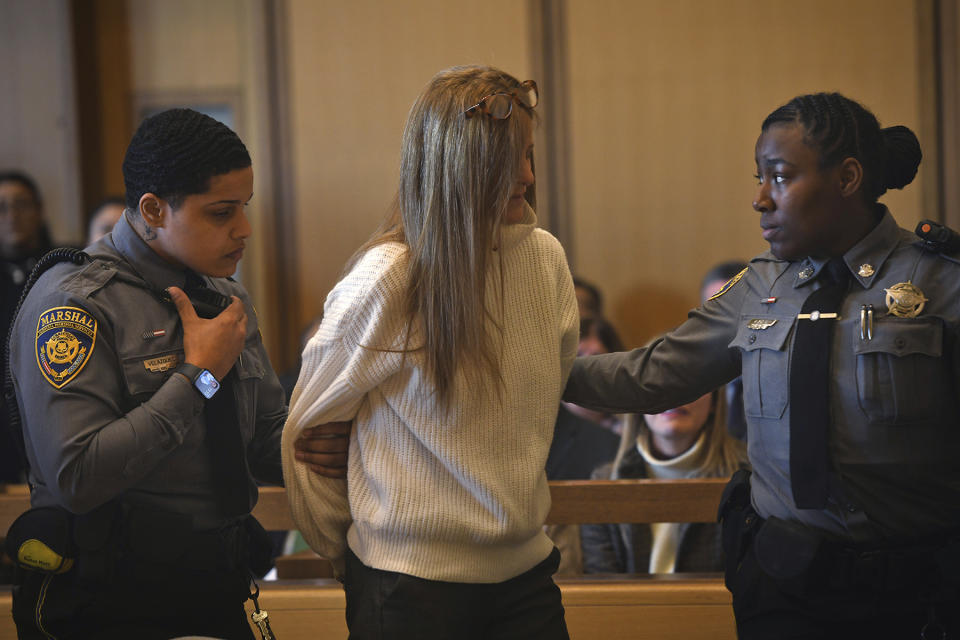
712 282
103 217
847 335
448 343
583 438
589 299
23 239
689 441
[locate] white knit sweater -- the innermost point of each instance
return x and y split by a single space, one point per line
459 497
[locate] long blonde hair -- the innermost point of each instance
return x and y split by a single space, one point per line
723 454
456 177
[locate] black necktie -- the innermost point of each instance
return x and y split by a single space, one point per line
810 388
228 457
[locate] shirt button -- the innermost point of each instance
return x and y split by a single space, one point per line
752 338
852 508
900 342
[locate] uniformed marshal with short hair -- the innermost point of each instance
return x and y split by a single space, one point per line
149 407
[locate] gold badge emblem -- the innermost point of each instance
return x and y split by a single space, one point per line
62 347
866 270
904 300
805 273
65 340
759 324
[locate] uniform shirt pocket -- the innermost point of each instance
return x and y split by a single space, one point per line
901 377
762 340
145 373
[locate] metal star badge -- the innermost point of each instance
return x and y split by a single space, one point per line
904 300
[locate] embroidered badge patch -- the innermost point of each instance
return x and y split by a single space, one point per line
732 281
65 339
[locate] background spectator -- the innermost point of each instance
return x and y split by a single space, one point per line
690 441
103 217
589 298
23 239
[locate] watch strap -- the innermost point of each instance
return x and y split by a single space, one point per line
192 371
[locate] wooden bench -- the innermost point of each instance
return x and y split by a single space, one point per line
603 607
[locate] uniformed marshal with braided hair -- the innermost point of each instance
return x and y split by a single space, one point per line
847 335
150 410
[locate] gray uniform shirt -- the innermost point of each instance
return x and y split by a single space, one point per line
92 357
894 437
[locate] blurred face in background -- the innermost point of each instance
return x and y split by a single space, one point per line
591 345
676 430
103 220
21 219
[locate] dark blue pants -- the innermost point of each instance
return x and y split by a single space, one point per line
61 607
820 603
384 605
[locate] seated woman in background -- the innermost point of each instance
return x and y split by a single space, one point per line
690 441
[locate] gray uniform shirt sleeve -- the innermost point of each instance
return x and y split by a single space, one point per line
693 359
81 442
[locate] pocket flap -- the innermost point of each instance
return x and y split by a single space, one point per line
903 336
147 372
763 332
248 366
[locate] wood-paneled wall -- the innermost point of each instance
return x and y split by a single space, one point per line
355 70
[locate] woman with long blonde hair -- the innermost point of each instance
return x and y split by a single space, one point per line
689 441
447 343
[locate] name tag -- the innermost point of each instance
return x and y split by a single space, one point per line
761 323
161 364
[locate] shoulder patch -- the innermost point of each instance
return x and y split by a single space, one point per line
65 340
732 281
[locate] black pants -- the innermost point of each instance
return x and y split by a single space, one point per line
385 605
818 605
130 606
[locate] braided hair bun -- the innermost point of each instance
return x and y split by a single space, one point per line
902 156
174 154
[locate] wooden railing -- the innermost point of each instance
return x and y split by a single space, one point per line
574 502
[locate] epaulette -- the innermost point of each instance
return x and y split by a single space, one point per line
92 277
936 238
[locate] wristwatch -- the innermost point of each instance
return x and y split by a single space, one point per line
204 381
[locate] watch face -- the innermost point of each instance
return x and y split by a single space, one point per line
207 384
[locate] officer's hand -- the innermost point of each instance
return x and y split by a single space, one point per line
324 449
213 344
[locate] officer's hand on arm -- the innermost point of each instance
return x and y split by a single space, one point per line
323 448
213 344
